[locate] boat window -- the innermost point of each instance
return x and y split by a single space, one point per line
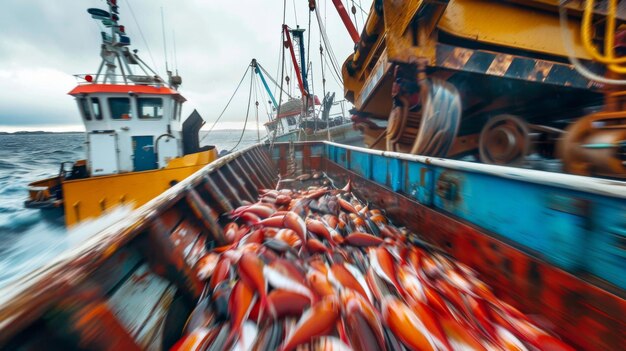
95 107
175 114
291 121
120 108
84 108
150 108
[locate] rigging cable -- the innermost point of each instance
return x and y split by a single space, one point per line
278 86
256 106
141 33
329 49
324 86
228 103
353 10
243 131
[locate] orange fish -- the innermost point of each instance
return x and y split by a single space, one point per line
205 266
316 246
287 303
343 277
346 206
362 322
221 272
318 228
406 325
295 223
319 283
199 339
275 221
432 324
363 239
250 269
239 305
383 264
317 321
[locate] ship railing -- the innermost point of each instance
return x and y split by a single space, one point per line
129 79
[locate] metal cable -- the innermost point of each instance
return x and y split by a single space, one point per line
141 33
227 104
243 131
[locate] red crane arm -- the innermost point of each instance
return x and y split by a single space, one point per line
293 58
346 20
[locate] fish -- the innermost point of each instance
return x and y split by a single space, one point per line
406 325
287 303
318 228
340 276
250 270
296 223
383 264
220 273
362 323
198 339
205 266
316 321
239 306
362 239
318 269
279 280
319 284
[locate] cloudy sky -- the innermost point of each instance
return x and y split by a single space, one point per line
43 43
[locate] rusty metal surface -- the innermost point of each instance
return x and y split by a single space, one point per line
141 304
28 298
570 303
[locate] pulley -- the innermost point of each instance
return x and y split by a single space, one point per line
504 140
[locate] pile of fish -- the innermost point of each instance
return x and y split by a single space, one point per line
318 269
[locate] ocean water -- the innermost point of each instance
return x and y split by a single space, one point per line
29 238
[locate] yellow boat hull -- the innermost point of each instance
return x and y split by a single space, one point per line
90 197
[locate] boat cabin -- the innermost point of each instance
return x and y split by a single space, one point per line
129 128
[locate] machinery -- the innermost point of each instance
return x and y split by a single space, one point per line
502 81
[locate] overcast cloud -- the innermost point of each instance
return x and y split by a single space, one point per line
43 43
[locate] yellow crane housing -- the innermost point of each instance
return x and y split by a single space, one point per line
493 79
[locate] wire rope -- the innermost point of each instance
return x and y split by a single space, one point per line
245 124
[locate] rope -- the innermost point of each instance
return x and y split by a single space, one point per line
227 104
243 131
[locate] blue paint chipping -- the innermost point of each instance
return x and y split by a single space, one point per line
577 231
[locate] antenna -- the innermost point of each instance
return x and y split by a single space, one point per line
175 55
164 41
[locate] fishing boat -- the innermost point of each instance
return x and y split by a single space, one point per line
136 142
327 123
548 245
304 118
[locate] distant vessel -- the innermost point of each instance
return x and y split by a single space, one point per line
293 124
137 145
306 118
